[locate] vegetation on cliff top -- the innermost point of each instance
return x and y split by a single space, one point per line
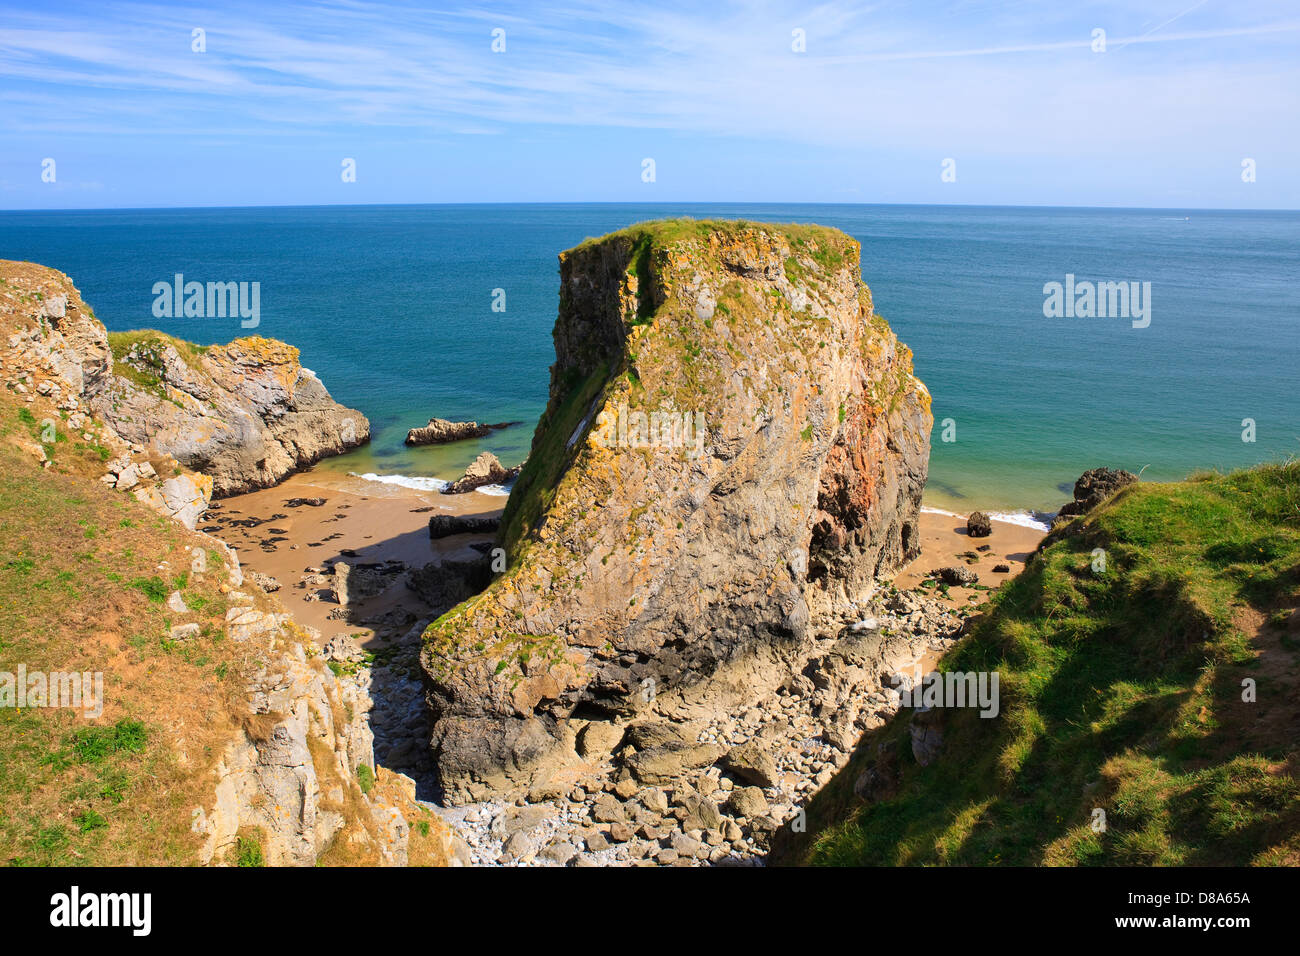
830 244
1121 691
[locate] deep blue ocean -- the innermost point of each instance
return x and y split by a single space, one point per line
392 306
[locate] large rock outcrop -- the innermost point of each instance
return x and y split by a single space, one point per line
245 414
440 431
735 446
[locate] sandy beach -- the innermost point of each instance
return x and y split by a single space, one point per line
297 530
944 543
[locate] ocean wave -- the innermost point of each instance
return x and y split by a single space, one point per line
499 491
1037 520
405 481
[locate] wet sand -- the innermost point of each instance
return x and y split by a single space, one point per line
359 522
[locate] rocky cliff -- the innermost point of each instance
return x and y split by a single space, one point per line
244 415
295 776
734 448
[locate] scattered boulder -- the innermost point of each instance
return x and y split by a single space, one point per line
957 576
443 526
1093 487
752 763
748 803
667 763
978 525
486 469
264 581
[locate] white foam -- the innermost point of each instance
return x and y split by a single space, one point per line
499 491
1023 518
405 481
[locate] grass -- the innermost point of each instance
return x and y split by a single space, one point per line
81 590
146 348
1121 692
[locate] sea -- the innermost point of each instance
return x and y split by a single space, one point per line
413 312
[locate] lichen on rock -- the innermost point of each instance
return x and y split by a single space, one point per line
734 446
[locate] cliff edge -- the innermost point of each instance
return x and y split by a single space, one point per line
244 415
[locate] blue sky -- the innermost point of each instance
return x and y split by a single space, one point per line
713 92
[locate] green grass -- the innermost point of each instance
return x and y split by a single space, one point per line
365 778
147 347
1120 691
248 852
106 790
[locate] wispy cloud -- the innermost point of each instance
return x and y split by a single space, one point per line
1019 78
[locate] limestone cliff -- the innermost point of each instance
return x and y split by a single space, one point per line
296 775
245 414
734 446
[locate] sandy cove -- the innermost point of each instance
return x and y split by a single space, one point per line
944 543
357 522
368 522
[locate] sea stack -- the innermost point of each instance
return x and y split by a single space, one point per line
735 447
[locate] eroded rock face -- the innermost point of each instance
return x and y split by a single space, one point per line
247 414
734 446
242 416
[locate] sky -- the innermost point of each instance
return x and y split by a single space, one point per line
1023 102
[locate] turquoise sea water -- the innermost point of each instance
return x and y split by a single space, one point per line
392 306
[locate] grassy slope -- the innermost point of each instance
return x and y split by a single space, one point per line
81 588
1120 691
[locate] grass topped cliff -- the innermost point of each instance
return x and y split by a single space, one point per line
639 261
215 733
723 399
1122 691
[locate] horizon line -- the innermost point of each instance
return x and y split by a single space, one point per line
685 202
